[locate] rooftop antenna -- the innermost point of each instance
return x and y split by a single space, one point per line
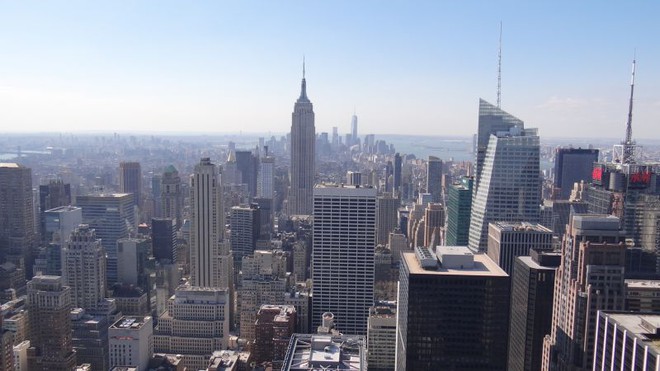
303 66
499 71
629 144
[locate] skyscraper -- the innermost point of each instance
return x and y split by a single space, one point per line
387 221
506 241
303 154
492 119
509 188
572 165
172 195
453 311
17 229
130 180
265 185
207 225
354 129
590 278
459 205
163 237
244 221
396 175
247 165
54 194
48 305
344 238
532 287
434 178
112 216
84 268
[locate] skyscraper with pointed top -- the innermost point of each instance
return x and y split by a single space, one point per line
303 141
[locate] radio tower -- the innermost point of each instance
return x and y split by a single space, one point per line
629 144
499 72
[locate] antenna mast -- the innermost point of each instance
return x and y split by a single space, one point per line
499 71
629 144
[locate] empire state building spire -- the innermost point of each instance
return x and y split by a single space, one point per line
303 87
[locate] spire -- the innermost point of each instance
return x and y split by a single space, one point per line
629 144
499 71
303 85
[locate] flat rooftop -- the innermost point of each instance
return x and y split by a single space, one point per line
483 266
11 165
643 284
130 323
644 326
520 227
326 352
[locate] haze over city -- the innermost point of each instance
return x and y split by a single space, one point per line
404 68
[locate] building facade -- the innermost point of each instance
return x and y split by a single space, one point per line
344 238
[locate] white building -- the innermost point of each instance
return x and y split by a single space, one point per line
207 228
84 268
344 238
21 356
61 221
131 342
265 188
195 325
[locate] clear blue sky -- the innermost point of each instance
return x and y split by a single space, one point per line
407 67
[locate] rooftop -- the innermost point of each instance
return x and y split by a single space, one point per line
63 209
483 266
644 326
520 226
131 323
325 352
12 165
643 284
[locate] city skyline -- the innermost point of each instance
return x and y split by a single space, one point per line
405 69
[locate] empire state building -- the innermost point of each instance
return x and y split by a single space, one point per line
303 142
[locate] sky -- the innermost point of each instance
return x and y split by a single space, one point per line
404 67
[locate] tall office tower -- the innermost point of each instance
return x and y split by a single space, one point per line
434 223
132 258
353 178
344 238
247 165
303 154
131 342
532 286
130 180
207 225
509 188
572 165
274 326
508 240
48 305
561 211
387 219
265 181
60 222
264 280
156 191
172 195
335 139
459 205
244 222
112 216
590 278
84 268
54 194
354 129
492 120
163 239
195 325
396 174
453 311
90 338
17 232
627 341
381 336
434 178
